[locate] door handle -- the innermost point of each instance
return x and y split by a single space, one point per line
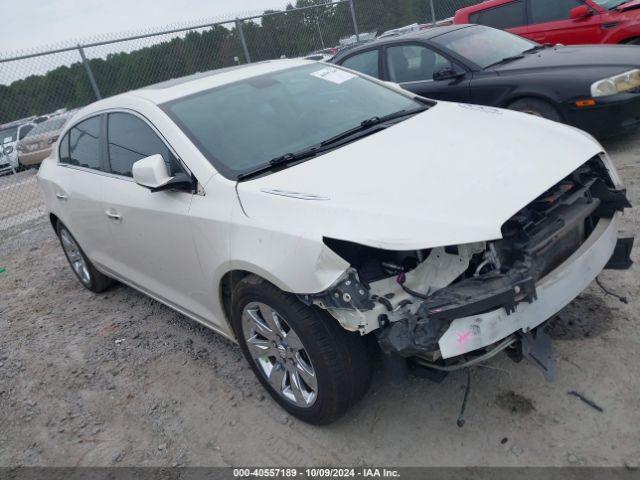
61 196
113 216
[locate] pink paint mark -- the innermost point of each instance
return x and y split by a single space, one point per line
464 337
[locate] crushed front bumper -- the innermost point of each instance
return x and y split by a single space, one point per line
554 292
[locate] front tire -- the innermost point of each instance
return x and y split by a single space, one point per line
88 275
633 41
308 363
537 107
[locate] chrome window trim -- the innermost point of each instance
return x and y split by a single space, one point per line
97 172
129 111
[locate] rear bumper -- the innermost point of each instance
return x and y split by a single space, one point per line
554 292
611 116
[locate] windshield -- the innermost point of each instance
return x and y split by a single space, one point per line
24 129
8 135
243 125
608 4
484 46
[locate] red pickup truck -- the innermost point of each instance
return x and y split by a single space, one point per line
570 22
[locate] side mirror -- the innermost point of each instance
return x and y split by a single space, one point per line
447 73
580 12
151 172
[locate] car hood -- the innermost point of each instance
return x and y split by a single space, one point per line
588 57
451 175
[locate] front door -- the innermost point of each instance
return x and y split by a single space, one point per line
151 229
417 68
550 22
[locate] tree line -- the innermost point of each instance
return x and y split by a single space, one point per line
289 33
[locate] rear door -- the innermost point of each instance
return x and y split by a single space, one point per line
367 62
510 16
550 22
415 67
152 230
79 187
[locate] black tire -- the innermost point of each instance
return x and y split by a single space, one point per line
535 106
633 41
97 282
340 358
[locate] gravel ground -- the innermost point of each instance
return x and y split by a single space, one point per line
119 379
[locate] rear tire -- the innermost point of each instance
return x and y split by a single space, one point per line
335 362
88 275
537 107
633 41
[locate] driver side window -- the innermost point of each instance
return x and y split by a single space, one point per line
130 139
543 11
414 63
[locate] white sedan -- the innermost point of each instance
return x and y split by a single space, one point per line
311 213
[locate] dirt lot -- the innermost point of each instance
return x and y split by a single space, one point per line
119 379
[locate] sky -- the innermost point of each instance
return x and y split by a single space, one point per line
38 23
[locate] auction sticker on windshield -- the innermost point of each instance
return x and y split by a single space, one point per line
334 75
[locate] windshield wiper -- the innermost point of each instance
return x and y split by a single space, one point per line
366 127
535 48
505 60
371 122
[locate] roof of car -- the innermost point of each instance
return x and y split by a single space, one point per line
173 89
480 6
425 34
180 87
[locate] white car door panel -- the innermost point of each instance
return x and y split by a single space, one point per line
151 230
78 195
154 241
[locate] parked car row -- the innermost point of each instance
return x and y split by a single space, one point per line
444 233
595 88
26 142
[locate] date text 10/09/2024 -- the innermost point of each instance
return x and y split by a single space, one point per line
315 472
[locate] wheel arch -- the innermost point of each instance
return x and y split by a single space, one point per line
226 286
628 40
55 221
537 96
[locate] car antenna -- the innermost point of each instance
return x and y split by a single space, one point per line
461 421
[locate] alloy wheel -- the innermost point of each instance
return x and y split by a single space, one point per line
279 354
76 259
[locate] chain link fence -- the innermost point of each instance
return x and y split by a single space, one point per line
40 89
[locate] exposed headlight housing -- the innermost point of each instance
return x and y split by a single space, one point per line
617 84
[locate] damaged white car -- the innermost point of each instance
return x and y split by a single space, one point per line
309 213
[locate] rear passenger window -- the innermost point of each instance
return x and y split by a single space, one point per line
543 11
131 139
81 145
506 16
366 63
